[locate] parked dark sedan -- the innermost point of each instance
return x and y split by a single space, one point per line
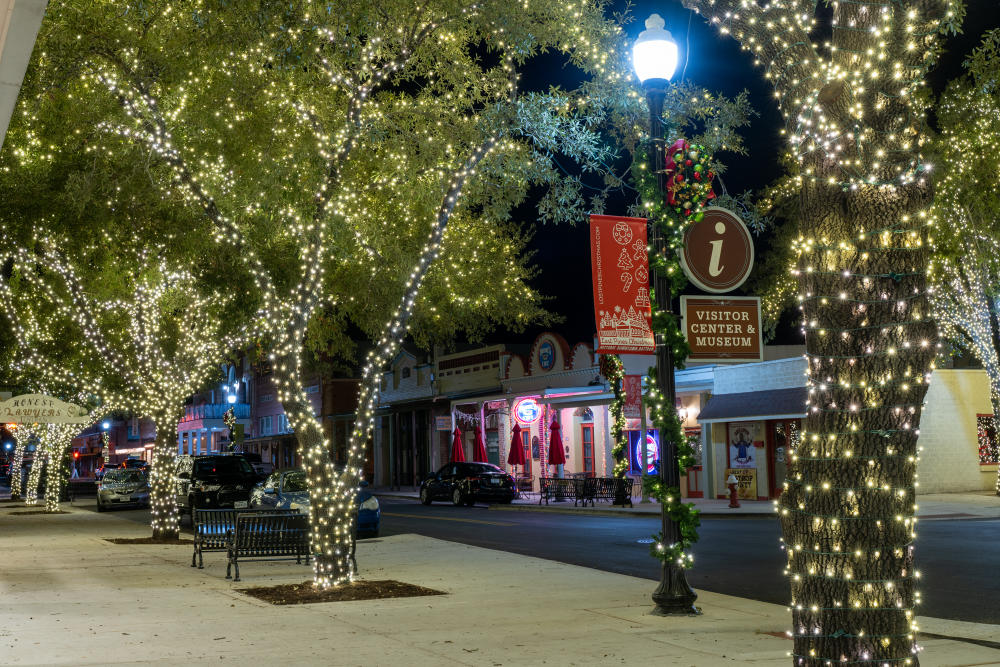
213 482
467 483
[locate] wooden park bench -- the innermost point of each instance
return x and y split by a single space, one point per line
212 527
559 488
268 536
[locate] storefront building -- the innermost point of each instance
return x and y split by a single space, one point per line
756 413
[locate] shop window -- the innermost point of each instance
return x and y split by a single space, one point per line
989 448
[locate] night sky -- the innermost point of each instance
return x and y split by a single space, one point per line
716 63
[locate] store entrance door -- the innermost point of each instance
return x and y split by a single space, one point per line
782 434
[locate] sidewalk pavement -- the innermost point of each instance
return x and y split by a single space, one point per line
934 506
71 598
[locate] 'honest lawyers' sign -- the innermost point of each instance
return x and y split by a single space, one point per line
722 329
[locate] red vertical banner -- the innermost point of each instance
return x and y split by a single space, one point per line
633 396
620 267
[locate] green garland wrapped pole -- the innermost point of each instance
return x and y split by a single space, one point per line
679 521
613 369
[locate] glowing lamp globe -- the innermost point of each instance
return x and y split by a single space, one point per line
105 425
654 54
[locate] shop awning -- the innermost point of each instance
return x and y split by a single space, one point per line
756 405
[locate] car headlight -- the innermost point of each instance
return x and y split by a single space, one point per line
370 504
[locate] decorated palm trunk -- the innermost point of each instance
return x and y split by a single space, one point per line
847 508
164 518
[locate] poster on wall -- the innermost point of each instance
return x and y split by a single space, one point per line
633 396
746 482
652 452
744 438
620 270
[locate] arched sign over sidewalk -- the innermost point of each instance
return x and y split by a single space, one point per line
41 409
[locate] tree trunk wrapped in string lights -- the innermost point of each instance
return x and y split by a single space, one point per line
22 435
38 462
59 439
854 121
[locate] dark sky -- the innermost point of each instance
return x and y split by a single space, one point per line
716 63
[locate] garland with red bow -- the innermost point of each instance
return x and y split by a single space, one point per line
689 181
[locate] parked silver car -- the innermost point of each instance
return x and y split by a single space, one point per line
122 487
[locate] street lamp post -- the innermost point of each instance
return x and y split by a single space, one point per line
654 57
105 438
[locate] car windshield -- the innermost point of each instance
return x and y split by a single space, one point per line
124 476
294 483
223 465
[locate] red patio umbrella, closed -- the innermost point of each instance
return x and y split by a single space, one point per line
556 454
457 453
479 453
516 455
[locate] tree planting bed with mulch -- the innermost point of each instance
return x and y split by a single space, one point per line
148 540
306 593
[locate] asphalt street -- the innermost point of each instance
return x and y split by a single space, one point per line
735 556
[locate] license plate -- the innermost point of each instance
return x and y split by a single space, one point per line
240 504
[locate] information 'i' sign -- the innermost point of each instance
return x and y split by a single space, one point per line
718 251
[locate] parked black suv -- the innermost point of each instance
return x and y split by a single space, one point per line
213 482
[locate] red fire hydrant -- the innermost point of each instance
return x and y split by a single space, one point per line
731 482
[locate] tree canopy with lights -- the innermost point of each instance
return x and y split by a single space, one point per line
966 268
850 85
144 349
362 167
